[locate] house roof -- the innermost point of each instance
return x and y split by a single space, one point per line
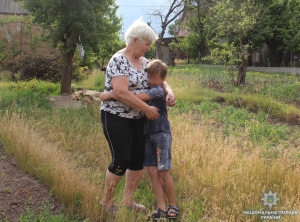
10 7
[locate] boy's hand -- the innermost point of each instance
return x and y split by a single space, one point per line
105 96
171 99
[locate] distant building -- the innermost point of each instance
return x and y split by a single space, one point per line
168 55
264 57
9 7
20 33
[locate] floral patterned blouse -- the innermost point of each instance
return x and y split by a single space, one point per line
119 65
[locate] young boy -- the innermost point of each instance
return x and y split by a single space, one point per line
158 141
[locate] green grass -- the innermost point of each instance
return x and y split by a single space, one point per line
244 113
274 94
235 120
94 82
240 110
281 87
45 214
23 101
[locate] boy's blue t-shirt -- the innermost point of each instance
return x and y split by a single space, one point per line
158 100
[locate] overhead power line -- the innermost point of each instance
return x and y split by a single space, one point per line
141 6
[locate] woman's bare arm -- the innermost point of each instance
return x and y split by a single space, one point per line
121 93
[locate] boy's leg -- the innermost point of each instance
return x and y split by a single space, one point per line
163 142
150 162
168 185
157 187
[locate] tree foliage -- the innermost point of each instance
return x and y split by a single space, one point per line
70 22
242 27
282 18
231 21
174 10
174 28
193 21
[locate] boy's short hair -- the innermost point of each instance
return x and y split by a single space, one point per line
157 67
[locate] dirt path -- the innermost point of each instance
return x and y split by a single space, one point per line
64 101
19 191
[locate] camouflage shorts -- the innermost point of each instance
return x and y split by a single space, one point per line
158 150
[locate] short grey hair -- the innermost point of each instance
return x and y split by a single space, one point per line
140 30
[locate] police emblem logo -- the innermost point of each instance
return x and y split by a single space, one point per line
270 199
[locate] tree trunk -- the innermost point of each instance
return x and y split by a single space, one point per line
158 50
67 74
159 54
241 78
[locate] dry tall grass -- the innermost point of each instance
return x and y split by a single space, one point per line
216 178
227 174
52 165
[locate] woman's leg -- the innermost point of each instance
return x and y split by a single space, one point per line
135 169
118 133
132 180
111 182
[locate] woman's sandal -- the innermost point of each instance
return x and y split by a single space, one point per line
157 215
137 207
172 212
113 209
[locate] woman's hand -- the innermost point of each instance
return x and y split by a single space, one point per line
152 113
105 96
171 99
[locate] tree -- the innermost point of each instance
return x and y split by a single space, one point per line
71 22
291 37
167 16
231 21
282 16
107 50
194 43
174 28
152 53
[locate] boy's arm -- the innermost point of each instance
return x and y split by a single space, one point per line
143 96
170 97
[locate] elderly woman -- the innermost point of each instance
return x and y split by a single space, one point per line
123 118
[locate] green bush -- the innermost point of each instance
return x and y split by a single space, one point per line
35 86
34 66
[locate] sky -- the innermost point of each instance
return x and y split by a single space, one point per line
131 10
